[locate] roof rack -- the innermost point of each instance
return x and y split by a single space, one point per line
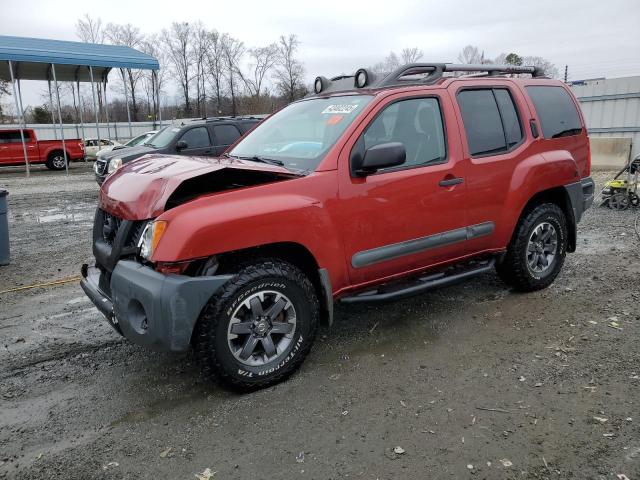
230 117
415 74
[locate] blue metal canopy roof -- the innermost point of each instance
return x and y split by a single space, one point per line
31 58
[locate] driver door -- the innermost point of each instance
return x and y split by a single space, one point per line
412 216
198 141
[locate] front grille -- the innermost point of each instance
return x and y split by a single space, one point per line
110 226
135 234
100 166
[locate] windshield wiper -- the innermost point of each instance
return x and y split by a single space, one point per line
257 158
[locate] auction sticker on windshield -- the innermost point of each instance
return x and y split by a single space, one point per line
340 109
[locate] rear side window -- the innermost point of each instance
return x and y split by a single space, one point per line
490 119
556 110
225 134
482 122
196 138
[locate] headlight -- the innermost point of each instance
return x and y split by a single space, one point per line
151 237
114 164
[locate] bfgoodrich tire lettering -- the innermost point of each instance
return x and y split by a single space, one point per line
220 348
540 233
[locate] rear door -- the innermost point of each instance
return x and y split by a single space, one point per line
198 141
493 134
224 135
405 218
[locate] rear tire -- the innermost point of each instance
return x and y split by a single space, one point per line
537 249
258 329
55 160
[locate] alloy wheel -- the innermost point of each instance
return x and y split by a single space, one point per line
261 328
58 161
542 248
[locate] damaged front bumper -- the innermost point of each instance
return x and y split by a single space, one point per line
149 308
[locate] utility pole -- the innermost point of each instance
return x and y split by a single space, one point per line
566 73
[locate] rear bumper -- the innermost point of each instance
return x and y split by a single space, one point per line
581 196
149 308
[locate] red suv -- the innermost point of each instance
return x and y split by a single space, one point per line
372 189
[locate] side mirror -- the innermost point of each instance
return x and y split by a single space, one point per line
384 155
181 145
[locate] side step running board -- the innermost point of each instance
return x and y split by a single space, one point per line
420 285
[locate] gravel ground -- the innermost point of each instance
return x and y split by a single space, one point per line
471 381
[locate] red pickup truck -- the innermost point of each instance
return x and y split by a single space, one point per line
370 190
49 152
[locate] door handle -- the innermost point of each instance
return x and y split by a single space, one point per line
449 182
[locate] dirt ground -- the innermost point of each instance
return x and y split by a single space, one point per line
471 381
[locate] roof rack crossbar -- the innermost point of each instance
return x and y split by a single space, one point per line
435 71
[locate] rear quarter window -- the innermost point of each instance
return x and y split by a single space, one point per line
556 110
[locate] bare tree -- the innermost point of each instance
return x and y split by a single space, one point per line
200 48
90 30
152 46
216 62
233 50
470 54
545 65
289 73
263 59
4 90
389 64
129 36
411 55
177 42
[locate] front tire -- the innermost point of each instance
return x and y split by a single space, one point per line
537 249
258 329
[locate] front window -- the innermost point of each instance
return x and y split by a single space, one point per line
301 134
163 138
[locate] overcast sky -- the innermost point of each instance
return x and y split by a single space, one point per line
594 38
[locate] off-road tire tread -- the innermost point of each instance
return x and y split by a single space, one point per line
513 268
205 349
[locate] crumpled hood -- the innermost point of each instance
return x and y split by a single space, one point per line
141 189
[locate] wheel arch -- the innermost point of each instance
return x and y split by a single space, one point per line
560 197
294 253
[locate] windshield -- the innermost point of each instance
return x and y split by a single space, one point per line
163 137
139 139
300 135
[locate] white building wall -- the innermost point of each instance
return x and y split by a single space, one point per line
611 108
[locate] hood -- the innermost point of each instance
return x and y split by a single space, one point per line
150 185
127 153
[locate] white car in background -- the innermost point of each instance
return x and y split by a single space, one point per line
140 139
91 147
